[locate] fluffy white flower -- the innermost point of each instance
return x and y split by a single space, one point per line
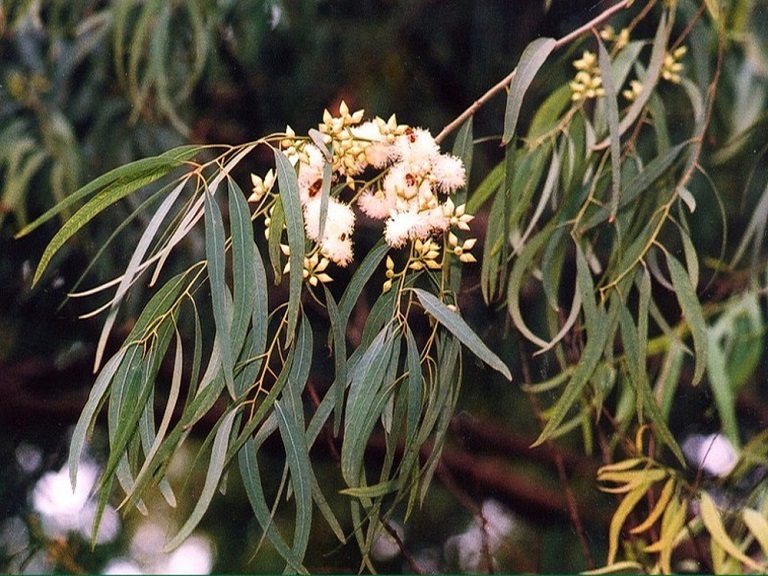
311 173
378 152
400 183
377 205
416 148
449 172
404 226
337 249
340 219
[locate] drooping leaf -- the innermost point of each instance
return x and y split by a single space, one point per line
297 453
150 169
249 471
456 325
714 524
531 61
612 108
212 478
289 196
694 316
87 419
244 279
216 264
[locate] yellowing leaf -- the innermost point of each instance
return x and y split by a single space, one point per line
625 565
658 509
620 516
714 524
671 523
758 525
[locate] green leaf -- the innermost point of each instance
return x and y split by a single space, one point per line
216 264
339 357
257 339
87 419
134 265
114 192
249 471
486 188
364 403
597 335
359 279
297 453
547 115
694 316
649 80
612 109
655 169
243 257
212 477
289 196
146 168
533 58
456 325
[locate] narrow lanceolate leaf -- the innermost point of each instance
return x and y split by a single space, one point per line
532 59
367 378
456 325
249 471
590 357
758 525
289 196
658 509
649 80
212 477
612 109
216 263
87 419
134 265
626 506
339 357
360 278
105 198
244 279
155 167
714 524
694 316
297 454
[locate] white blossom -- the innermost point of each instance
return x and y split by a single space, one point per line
449 172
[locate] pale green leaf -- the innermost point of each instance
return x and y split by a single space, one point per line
694 316
249 471
87 419
456 325
531 61
212 477
216 264
612 109
289 196
297 453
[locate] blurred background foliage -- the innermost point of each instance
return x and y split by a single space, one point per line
89 85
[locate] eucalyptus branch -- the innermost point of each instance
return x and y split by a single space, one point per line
507 80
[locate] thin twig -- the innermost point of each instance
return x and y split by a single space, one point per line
573 510
415 568
498 87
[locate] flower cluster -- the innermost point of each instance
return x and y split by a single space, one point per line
393 172
588 82
672 67
620 39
